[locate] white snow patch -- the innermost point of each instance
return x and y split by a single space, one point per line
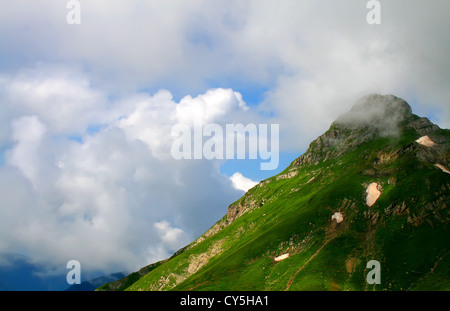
442 167
282 257
372 194
426 141
338 216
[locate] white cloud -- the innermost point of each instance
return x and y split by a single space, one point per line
175 238
61 96
151 121
27 133
210 107
240 182
95 200
312 55
154 116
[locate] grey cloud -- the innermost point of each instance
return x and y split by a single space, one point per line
383 113
326 45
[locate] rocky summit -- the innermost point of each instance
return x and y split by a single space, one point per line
373 188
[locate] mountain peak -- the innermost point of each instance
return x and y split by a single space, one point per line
381 112
372 116
383 103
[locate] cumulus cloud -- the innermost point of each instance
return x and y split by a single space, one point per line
115 198
240 182
60 95
154 116
174 238
212 106
27 133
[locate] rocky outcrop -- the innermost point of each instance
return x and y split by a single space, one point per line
287 175
169 281
237 209
234 211
423 126
435 154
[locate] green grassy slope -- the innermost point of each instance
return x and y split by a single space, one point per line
406 230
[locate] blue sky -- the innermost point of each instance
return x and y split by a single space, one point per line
251 168
87 110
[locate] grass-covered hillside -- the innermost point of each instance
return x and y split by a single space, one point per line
291 214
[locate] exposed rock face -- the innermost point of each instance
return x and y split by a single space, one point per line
241 207
437 153
195 263
423 126
287 175
234 210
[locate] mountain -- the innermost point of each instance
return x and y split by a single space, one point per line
124 283
374 186
21 273
91 285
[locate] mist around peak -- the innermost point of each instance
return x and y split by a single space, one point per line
383 113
